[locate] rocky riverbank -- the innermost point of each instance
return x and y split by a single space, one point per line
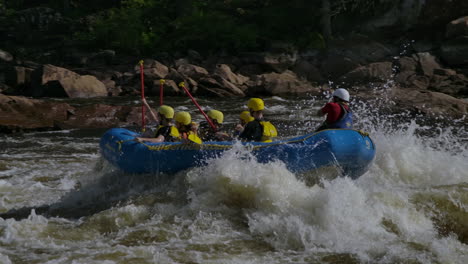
424 77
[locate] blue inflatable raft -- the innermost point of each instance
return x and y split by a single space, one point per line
349 150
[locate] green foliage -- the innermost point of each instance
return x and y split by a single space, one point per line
151 26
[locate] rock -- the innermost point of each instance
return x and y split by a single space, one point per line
223 71
250 70
52 81
420 82
192 71
5 88
180 62
280 84
335 66
404 78
112 90
445 72
280 62
277 62
21 114
455 52
404 64
170 88
457 28
101 116
5 56
194 56
18 77
430 103
449 82
209 86
374 72
153 69
308 71
436 14
360 50
104 57
427 62
157 73
230 87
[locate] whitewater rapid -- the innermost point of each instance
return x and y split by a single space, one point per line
411 206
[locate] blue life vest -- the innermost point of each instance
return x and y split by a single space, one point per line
346 120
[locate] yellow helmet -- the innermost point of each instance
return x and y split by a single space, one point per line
216 115
256 104
166 111
246 117
183 117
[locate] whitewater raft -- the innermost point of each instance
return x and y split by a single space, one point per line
351 151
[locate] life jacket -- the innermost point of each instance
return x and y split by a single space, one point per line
269 131
192 137
170 133
345 121
207 133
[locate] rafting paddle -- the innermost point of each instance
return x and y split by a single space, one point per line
182 85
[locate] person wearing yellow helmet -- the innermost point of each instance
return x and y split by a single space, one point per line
208 133
244 118
187 128
258 129
165 130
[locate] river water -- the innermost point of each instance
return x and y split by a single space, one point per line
410 207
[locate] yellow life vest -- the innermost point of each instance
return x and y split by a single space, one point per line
173 133
269 131
194 137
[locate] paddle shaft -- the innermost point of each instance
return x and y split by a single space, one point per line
161 91
142 76
182 84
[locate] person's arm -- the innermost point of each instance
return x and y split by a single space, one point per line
158 139
223 136
151 111
324 110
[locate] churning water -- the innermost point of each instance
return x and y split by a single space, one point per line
410 207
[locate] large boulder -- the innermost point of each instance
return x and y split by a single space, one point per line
427 63
449 82
430 103
21 114
101 116
223 71
219 87
374 72
286 83
457 27
334 66
53 81
308 71
192 71
153 69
